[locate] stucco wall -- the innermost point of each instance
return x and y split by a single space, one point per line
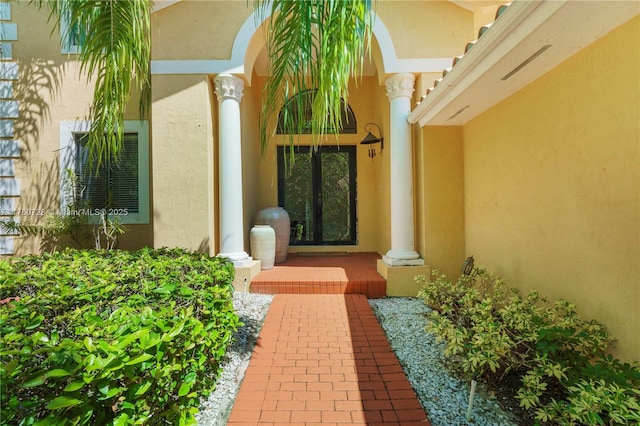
440 198
183 157
49 90
193 29
214 24
552 184
253 198
382 183
443 27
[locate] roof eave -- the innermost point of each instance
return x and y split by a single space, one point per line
530 39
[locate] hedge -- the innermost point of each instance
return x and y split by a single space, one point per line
112 337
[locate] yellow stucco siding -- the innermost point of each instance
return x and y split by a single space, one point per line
552 185
213 25
183 162
382 183
426 29
49 90
440 198
193 29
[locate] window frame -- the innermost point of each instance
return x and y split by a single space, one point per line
349 123
69 153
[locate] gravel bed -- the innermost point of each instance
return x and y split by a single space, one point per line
443 396
251 308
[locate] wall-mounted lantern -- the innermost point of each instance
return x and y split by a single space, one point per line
371 140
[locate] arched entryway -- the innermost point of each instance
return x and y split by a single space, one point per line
259 187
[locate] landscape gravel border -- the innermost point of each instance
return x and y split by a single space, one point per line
251 309
443 396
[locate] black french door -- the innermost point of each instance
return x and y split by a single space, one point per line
319 192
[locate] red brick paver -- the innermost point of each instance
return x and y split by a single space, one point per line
324 360
323 274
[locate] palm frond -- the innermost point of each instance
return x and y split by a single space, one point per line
117 53
315 44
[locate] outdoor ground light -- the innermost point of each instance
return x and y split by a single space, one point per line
467 266
371 140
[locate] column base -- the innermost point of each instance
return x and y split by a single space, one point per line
239 258
402 258
401 280
244 275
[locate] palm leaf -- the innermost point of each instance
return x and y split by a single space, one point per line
116 52
314 44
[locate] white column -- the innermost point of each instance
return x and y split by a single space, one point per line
228 89
402 252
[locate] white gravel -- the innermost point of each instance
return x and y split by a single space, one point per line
443 396
252 309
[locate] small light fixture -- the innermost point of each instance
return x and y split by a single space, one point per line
370 139
467 267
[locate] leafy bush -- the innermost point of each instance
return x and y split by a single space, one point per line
566 376
112 337
70 228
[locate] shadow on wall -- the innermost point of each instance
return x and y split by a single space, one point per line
204 246
42 201
38 86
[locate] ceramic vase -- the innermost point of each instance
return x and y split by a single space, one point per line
262 239
279 220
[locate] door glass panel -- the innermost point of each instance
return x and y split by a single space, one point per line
336 196
318 192
298 199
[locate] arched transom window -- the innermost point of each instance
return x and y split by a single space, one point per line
290 122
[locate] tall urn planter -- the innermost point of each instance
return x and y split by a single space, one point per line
279 220
262 239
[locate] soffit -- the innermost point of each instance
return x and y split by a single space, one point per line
525 42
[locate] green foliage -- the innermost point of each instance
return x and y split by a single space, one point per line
53 229
594 402
112 337
57 230
316 45
108 230
490 330
117 56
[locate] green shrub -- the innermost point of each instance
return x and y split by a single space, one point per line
112 337
490 330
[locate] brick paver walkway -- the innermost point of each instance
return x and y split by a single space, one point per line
327 274
324 360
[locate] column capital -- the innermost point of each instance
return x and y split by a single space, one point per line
400 85
228 86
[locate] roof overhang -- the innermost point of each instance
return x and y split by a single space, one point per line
529 39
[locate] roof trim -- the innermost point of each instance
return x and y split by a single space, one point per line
483 55
526 41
